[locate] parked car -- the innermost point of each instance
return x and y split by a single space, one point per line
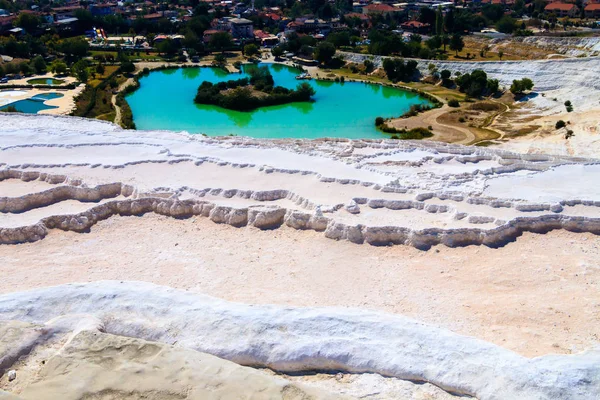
4 80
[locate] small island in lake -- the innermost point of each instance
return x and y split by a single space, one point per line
247 94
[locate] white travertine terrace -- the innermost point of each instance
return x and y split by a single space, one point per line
69 174
303 339
366 191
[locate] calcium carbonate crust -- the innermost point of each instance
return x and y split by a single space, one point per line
306 339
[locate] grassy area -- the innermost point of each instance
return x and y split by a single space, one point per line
108 70
108 116
43 81
94 53
439 91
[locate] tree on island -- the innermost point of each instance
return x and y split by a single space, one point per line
324 52
247 94
220 41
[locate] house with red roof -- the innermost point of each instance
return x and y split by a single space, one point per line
6 22
592 11
383 9
415 26
562 9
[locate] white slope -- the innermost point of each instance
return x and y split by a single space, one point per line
303 339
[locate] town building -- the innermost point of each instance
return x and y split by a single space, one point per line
241 28
562 9
592 11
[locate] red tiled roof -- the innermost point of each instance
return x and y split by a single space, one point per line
260 34
379 7
7 19
272 16
414 24
152 16
559 6
66 8
357 15
592 7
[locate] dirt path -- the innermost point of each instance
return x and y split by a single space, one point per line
441 132
113 100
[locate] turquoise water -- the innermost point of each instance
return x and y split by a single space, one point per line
34 104
165 100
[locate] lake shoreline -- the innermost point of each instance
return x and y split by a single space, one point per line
363 128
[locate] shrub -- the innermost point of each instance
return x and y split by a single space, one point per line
520 86
560 124
379 121
461 119
569 134
453 103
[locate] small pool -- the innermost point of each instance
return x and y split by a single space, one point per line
45 81
34 104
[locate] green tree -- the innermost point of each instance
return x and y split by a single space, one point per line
76 47
167 47
26 69
220 41
58 67
79 70
518 87
456 43
29 22
506 24
2 73
100 69
251 50
39 65
445 41
277 52
128 67
434 42
500 54
476 83
305 91
220 60
324 52
439 21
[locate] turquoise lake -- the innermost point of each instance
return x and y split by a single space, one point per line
34 104
165 100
